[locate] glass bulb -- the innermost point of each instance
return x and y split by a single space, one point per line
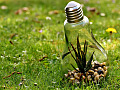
78 24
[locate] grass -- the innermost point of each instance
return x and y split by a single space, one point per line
28 45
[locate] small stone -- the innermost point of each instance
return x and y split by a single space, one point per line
104 63
101 64
91 71
96 70
76 76
99 68
100 72
72 76
79 74
96 66
102 75
105 73
72 79
72 72
83 77
77 69
87 73
96 62
89 78
66 75
96 78
69 73
105 68
95 73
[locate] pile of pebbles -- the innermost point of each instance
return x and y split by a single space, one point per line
95 74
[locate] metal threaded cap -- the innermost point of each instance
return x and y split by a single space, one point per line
73 12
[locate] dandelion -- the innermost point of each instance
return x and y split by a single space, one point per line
111 31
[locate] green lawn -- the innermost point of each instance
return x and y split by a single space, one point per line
26 36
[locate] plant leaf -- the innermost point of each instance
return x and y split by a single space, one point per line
74 50
71 54
83 59
85 47
89 65
77 59
63 56
74 67
78 48
81 68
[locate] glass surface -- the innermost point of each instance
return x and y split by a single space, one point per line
82 28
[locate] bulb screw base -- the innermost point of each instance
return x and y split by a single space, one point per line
74 12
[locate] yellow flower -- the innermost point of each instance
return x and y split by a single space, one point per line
111 30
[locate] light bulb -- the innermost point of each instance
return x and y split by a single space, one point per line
78 24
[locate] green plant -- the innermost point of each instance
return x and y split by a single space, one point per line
80 57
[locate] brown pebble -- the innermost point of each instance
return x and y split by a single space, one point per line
101 75
72 79
105 68
91 71
66 75
96 70
76 76
99 68
83 77
105 73
104 63
95 73
77 69
89 78
96 78
87 73
96 62
69 73
79 74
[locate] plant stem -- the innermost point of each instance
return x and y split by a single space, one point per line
111 36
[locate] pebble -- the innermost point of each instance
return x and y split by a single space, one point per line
96 73
96 77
